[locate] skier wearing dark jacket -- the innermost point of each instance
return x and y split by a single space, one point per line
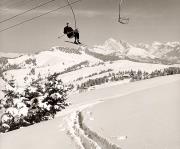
72 33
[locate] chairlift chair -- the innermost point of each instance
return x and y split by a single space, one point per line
123 20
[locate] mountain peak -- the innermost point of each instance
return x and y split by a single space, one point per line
110 40
110 46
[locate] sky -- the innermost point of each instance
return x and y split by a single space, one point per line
97 21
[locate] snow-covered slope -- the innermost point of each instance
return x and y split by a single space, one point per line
63 57
147 118
82 71
44 135
10 55
59 59
116 66
119 116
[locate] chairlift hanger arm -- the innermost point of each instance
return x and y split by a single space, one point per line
120 2
74 16
122 20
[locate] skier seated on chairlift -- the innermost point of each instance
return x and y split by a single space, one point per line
72 33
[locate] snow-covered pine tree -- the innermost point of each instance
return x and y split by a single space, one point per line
56 94
39 101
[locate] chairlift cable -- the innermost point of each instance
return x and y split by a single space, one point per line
38 16
40 5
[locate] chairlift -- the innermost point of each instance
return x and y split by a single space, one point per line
71 32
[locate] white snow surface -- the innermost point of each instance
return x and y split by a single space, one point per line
148 118
143 109
53 57
10 55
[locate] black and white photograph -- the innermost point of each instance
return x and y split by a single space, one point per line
89 74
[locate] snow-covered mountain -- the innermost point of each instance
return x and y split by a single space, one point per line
10 54
168 53
61 56
78 64
58 59
4 56
109 47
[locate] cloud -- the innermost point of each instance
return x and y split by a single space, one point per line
89 13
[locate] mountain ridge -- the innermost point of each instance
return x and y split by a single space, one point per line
168 53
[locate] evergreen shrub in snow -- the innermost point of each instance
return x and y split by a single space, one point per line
38 102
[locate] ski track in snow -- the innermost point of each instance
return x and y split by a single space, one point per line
83 136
